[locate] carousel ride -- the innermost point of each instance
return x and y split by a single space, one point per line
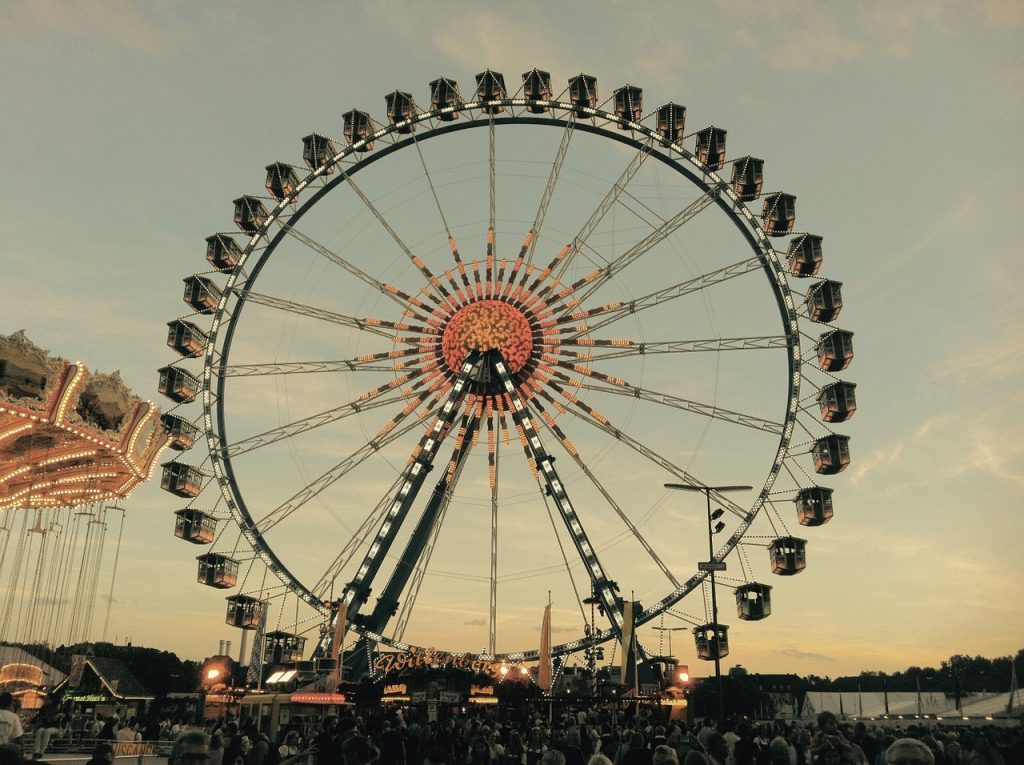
72 444
445 370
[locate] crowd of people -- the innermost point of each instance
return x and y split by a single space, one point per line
587 738
599 736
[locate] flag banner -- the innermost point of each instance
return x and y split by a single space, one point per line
628 655
337 640
544 671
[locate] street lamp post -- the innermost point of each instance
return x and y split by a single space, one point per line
712 567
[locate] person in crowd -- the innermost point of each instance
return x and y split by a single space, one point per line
480 752
191 747
259 745
560 742
717 749
10 723
909 751
637 753
663 754
216 748
290 745
102 754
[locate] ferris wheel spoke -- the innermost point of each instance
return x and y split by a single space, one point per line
549 188
368 363
606 204
656 458
305 424
371 325
406 301
420 265
492 166
621 348
667 399
313 489
589 284
633 530
611 312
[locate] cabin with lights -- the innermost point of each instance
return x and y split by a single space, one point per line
834 350
223 252
283 647
712 641
831 454
629 104
282 180
838 401
218 571
245 612
753 601
779 214
195 526
583 92
788 555
317 151
804 255
824 300
747 178
250 214
358 127
400 108
201 294
710 148
537 87
186 338
182 480
444 94
814 506
490 86
671 123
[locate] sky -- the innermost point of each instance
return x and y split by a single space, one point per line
128 128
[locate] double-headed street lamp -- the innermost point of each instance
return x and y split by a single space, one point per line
712 566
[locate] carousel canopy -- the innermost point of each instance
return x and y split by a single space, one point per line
69 436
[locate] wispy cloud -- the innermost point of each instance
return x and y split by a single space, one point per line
796 653
121 23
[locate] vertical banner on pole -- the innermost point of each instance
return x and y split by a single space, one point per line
337 640
628 668
544 671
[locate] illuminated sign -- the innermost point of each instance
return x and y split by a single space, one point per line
395 688
85 697
481 690
317 698
418 659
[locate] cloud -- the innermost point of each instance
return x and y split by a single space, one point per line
121 23
796 653
866 465
995 358
475 623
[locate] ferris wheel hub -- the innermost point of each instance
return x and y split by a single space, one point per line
486 325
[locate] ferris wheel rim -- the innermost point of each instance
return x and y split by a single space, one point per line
735 209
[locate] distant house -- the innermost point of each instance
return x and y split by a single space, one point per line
27 677
105 686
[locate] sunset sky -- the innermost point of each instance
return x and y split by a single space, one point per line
128 128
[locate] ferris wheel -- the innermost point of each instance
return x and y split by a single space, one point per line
446 370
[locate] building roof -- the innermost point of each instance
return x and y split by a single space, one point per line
112 674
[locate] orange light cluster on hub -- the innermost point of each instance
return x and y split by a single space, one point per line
483 326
